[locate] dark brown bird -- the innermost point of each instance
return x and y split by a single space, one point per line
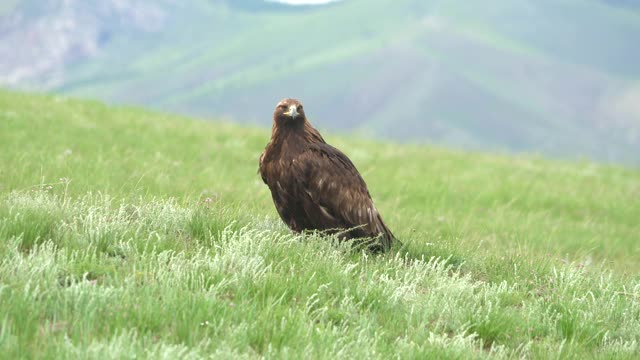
314 185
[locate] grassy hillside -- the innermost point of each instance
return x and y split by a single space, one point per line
125 232
555 77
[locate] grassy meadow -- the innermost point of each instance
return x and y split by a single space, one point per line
132 234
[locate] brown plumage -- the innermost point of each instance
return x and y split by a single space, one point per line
315 186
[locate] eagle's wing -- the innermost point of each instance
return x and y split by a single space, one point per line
261 167
335 196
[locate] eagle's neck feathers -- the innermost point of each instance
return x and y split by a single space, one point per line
296 137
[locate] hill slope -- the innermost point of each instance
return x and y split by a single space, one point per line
557 77
125 232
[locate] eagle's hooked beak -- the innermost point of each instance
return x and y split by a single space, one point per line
293 111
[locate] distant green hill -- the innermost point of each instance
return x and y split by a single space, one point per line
556 77
126 233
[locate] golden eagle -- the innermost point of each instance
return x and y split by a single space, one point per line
314 185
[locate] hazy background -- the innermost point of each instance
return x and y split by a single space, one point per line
558 77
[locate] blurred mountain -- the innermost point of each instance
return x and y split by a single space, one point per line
560 77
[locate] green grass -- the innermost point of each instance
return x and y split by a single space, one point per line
126 233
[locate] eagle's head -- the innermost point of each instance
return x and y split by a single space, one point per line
289 112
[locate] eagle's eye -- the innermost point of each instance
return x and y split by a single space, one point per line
282 106
300 107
